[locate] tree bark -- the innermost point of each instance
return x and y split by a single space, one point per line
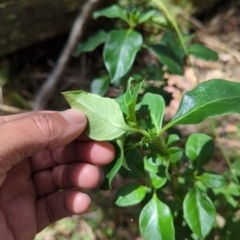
26 22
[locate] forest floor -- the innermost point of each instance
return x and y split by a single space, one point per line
220 32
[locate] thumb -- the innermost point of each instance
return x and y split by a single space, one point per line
37 131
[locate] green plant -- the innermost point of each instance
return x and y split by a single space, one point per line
169 174
122 45
180 199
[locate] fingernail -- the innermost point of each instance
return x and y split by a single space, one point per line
74 116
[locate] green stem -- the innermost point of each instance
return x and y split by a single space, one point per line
163 7
164 129
161 145
141 131
224 154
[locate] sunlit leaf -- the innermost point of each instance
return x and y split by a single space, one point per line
172 139
212 180
209 99
199 212
156 221
120 50
157 181
105 118
175 154
130 194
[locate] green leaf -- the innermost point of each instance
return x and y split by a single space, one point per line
171 40
120 143
231 192
209 99
153 164
212 180
199 148
121 103
130 100
100 85
134 161
156 180
167 57
203 52
130 194
120 50
91 43
199 212
110 171
156 106
175 154
172 139
156 221
113 11
146 15
105 118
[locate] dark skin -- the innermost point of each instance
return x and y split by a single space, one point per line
42 153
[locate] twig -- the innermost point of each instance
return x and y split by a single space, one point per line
49 86
11 109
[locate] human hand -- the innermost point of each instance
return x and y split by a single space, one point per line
42 153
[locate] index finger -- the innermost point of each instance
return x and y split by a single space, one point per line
96 153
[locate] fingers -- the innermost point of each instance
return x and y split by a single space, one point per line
65 177
31 133
97 153
60 205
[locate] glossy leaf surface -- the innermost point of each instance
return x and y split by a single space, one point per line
130 194
209 99
91 43
153 164
120 50
203 52
156 180
212 180
172 139
167 57
156 221
199 147
113 11
156 106
105 118
175 154
199 212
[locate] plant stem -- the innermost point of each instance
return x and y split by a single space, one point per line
224 154
141 131
161 145
163 7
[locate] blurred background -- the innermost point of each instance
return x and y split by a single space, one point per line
32 36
